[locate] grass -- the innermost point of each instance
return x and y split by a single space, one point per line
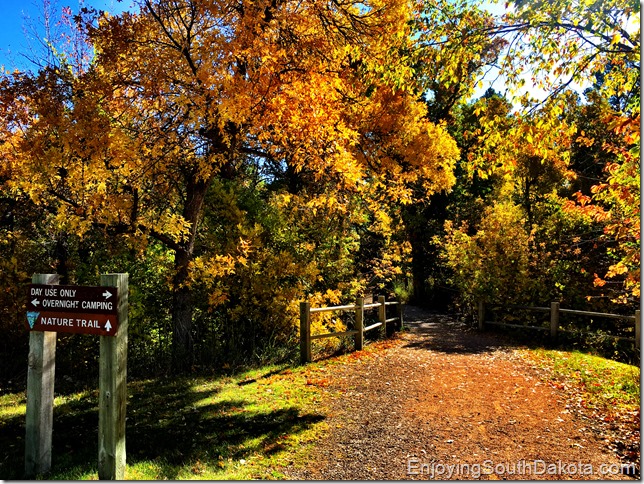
603 383
242 427
247 426
250 425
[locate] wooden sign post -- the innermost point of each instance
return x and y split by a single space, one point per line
100 310
40 394
112 389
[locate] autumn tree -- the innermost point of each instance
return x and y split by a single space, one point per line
454 51
546 150
183 96
602 47
560 43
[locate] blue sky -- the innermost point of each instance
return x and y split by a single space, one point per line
14 20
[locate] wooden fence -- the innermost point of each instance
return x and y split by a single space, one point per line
555 310
358 332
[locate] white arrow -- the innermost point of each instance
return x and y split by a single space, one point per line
108 326
107 294
35 302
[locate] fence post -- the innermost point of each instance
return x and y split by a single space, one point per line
400 314
305 332
554 318
359 338
481 314
638 323
382 316
112 388
39 416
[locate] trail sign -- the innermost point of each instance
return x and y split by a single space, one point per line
77 309
73 309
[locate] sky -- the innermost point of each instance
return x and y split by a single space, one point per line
17 16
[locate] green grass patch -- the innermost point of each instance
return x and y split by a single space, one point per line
12 405
604 383
247 426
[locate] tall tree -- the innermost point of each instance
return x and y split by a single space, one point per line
602 47
185 93
539 153
455 49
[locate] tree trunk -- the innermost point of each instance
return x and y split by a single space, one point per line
61 256
527 203
423 221
182 342
182 294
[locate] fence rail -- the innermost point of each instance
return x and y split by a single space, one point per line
555 310
358 332
350 307
592 313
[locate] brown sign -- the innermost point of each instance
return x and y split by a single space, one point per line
73 309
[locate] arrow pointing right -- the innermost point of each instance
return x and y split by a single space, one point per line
35 302
107 294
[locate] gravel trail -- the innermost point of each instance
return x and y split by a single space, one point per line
446 402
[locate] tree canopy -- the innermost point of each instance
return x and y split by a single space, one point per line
240 156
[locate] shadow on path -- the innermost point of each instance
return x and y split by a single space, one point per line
443 333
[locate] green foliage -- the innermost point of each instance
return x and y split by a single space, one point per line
598 338
403 289
455 49
563 42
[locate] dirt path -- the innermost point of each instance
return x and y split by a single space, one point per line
444 403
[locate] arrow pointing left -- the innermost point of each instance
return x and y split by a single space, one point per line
35 302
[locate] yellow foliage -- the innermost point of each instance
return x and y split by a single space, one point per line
494 262
187 103
113 141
